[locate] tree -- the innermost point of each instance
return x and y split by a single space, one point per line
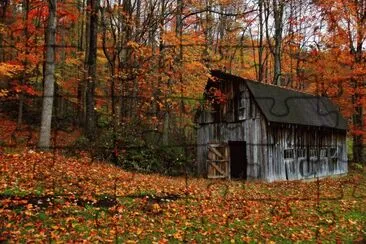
91 66
49 77
346 21
277 7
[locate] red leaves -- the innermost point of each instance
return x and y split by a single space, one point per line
25 89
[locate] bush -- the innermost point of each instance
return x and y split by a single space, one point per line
357 166
126 148
166 160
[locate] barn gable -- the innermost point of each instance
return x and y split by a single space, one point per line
287 106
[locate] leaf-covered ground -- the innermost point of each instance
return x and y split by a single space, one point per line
45 196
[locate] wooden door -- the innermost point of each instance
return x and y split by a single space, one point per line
218 161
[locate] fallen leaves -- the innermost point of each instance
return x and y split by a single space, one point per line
48 196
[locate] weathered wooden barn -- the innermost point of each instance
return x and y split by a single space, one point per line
253 130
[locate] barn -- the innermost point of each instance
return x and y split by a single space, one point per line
250 130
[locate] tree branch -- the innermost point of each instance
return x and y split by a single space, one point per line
208 10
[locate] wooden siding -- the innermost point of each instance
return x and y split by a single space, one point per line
274 151
300 152
252 129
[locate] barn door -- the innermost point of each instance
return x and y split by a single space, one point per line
238 159
218 161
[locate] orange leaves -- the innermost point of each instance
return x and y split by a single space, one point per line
133 45
171 38
248 211
9 70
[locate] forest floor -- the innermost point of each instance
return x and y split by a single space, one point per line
48 196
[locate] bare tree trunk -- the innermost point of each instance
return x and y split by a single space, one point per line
166 121
25 64
111 55
276 49
278 6
82 24
90 122
135 63
260 48
49 78
82 47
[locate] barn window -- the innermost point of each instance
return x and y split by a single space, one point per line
313 152
333 158
242 103
333 152
323 152
288 153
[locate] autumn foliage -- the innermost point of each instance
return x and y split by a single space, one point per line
141 88
153 60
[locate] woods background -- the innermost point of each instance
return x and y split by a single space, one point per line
126 77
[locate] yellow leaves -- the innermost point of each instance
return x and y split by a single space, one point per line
352 222
156 208
101 59
3 28
55 227
4 92
139 231
74 61
131 242
178 235
9 70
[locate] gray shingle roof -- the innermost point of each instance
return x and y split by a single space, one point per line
282 105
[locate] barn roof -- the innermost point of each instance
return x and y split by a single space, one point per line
283 105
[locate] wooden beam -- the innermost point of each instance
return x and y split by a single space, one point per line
217 168
216 176
215 151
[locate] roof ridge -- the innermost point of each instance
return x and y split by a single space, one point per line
267 84
282 87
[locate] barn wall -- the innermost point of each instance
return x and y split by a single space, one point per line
299 152
250 127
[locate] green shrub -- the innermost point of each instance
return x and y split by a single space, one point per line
166 160
128 147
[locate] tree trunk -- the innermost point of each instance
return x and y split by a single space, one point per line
25 64
357 46
49 79
90 122
166 121
111 56
278 16
277 7
260 48
82 45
